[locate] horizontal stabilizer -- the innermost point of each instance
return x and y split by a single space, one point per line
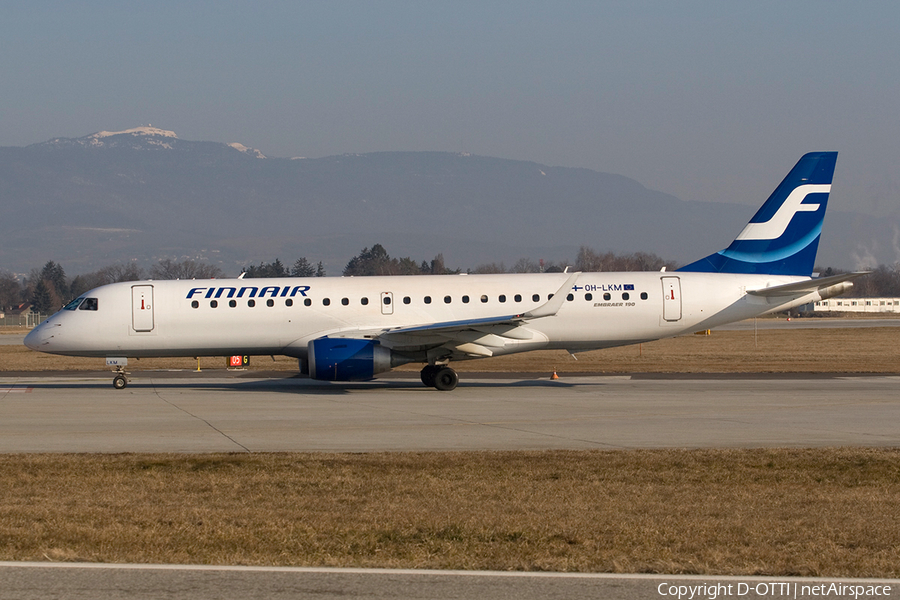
804 287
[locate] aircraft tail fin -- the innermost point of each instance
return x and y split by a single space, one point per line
783 237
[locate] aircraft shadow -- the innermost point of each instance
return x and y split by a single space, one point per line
296 385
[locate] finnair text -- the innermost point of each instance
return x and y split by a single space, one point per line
272 291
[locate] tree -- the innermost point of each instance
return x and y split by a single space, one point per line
376 261
108 274
169 269
320 270
526 265
272 269
590 261
54 278
10 291
372 262
407 266
121 272
490 268
302 268
41 300
437 266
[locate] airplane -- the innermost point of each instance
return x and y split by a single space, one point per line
351 329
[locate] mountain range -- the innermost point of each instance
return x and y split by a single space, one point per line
145 194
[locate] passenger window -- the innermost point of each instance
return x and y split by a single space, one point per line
387 300
196 304
270 303
213 304
518 297
484 298
643 295
606 296
88 304
306 302
447 299
326 301
232 303
625 295
251 303
570 297
345 301
427 299
288 302
406 300
364 301
536 298
465 299
589 296
502 298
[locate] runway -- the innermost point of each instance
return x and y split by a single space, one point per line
209 412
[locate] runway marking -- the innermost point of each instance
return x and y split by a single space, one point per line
429 572
16 389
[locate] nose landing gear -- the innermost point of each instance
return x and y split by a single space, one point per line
440 377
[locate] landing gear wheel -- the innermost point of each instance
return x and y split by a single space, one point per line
446 379
119 382
428 374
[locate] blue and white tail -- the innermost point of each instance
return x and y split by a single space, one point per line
783 236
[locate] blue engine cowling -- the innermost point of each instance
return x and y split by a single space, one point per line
345 359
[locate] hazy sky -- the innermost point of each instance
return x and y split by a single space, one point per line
705 100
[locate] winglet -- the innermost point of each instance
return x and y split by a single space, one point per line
552 306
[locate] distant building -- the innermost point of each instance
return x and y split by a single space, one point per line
866 305
20 310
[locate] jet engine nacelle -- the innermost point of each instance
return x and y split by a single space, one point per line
347 359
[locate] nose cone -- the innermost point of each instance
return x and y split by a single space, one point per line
32 340
39 337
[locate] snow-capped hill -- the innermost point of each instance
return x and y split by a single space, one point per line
145 138
138 138
246 150
149 130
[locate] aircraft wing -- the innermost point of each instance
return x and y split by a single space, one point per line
472 337
805 287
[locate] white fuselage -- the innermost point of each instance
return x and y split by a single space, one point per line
281 316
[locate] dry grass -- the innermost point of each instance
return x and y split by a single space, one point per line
856 350
780 512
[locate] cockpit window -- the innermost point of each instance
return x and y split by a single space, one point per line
73 304
88 304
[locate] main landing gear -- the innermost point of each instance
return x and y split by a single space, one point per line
441 377
121 379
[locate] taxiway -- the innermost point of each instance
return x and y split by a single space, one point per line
205 412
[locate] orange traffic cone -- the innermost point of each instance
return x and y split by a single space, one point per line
554 376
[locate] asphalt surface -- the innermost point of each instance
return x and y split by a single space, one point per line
120 582
202 412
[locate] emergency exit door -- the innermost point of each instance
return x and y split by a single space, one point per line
387 303
142 307
671 298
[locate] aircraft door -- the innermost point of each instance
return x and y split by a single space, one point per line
387 303
142 307
671 298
